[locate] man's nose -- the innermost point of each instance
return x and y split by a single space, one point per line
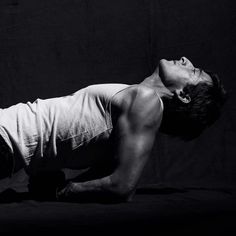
186 62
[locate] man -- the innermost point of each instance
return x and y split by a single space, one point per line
107 129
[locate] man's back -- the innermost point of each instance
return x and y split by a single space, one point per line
47 133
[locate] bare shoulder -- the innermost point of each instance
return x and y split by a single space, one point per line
139 102
133 94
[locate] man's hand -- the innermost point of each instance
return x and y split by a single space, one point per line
90 191
68 191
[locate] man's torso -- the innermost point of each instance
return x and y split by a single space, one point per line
74 131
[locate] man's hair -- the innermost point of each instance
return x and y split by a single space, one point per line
188 120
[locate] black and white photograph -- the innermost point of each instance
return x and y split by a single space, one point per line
118 117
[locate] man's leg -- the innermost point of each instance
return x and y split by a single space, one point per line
44 184
6 160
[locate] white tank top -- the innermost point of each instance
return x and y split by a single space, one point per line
38 130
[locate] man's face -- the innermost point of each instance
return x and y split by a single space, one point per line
176 74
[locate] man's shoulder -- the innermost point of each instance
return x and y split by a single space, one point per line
141 103
137 95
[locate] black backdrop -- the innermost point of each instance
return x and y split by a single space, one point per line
51 48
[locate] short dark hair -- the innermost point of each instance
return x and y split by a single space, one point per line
188 120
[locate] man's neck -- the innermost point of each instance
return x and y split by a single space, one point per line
154 82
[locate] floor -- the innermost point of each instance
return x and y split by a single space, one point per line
153 211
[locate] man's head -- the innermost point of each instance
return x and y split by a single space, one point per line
197 100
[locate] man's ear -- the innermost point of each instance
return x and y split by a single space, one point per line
183 97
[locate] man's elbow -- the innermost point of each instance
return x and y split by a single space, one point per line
123 190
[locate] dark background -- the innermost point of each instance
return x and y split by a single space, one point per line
51 48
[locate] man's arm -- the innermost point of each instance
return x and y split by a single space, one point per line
135 132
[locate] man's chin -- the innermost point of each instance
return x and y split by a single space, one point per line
162 61
166 62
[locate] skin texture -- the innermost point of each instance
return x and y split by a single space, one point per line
137 112
176 74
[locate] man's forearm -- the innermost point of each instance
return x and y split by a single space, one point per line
97 185
103 187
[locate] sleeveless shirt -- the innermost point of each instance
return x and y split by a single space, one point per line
38 131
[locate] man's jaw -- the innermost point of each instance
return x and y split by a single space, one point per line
160 70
